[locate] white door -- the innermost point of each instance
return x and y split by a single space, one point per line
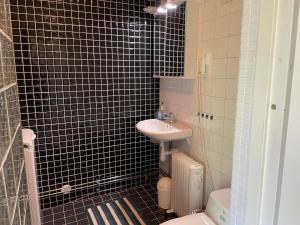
288 204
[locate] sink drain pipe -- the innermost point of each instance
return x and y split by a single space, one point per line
163 152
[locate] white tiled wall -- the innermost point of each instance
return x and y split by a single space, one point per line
244 110
219 34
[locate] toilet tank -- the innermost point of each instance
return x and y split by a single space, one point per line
218 206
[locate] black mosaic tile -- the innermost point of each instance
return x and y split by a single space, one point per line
153 213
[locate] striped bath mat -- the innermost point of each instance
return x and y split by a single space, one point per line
119 212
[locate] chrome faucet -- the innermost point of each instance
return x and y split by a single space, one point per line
169 117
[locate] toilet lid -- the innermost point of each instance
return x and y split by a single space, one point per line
194 219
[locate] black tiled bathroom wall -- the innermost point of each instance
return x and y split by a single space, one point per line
84 70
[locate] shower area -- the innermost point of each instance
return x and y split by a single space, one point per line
85 79
82 73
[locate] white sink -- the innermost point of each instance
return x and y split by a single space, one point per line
164 131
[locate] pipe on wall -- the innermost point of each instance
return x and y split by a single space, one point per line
28 143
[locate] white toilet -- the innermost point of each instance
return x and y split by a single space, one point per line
216 213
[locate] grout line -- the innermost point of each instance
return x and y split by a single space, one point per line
9 147
7 87
17 194
25 212
6 195
4 34
9 131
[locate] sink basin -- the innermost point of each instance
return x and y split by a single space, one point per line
164 131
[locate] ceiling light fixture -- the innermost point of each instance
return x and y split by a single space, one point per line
164 6
161 10
171 6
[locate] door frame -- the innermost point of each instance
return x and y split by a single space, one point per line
271 87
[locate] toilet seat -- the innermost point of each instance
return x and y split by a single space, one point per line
193 219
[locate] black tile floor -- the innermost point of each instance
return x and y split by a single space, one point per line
75 213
